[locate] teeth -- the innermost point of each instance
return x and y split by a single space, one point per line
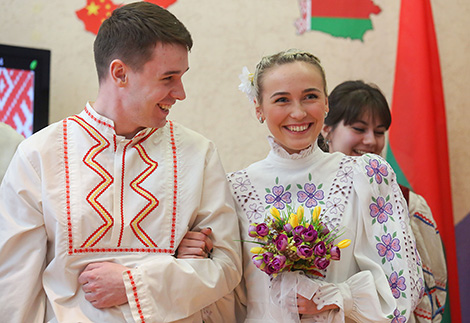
361 152
297 128
165 107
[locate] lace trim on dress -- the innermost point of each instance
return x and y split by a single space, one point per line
281 152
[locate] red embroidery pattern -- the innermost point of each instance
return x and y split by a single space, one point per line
107 180
136 296
153 202
175 186
122 191
67 186
420 312
98 121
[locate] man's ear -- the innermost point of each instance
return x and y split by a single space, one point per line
118 72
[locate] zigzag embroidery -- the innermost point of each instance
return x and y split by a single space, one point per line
92 197
153 202
424 219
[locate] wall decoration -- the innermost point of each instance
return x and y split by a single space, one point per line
339 18
96 11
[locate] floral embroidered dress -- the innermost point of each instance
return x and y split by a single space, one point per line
77 193
379 276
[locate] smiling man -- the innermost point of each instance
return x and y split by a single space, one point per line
93 207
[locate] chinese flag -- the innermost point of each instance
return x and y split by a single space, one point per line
418 148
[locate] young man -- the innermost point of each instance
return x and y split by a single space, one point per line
93 208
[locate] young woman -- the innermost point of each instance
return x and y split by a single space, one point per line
379 276
357 122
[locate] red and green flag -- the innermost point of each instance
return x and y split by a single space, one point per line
418 149
339 18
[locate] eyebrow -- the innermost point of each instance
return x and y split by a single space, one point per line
175 72
313 89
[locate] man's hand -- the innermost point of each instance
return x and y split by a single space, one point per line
195 245
103 284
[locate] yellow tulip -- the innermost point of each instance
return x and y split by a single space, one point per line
300 213
316 213
257 250
344 243
275 213
293 220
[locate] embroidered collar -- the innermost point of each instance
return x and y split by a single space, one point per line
107 125
281 152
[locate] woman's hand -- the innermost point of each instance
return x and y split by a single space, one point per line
195 245
308 306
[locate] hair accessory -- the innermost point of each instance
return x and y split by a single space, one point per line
246 85
260 119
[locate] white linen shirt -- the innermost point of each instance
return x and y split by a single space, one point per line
77 193
379 276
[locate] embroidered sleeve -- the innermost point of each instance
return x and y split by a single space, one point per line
387 247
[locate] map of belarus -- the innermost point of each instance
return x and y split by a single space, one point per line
339 18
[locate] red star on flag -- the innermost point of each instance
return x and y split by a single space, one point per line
95 12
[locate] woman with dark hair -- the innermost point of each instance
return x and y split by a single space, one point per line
357 122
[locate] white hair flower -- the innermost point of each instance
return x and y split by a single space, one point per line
246 85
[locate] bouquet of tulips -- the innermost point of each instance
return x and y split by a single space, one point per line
291 241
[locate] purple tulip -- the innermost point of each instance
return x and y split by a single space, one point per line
278 262
299 230
310 234
267 256
276 265
297 240
335 253
258 261
320 249
281 242
252 231
304 251
262 229
321 263
288 227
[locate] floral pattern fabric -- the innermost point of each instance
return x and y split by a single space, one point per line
358 196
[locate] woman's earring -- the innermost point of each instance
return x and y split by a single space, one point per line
260 119
327 142
326 113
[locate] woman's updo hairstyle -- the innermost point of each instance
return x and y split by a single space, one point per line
289 56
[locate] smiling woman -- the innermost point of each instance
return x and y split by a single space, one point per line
373 281
358 120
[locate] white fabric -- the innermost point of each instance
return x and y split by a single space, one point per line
359 283
430 247
71 179
9 140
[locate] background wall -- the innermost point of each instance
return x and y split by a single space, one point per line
231 34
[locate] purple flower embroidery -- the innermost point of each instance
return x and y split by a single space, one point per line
255 212
278 198
397 317
310 194
380 210
335 206
376 169
396 284
388 247
241 184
